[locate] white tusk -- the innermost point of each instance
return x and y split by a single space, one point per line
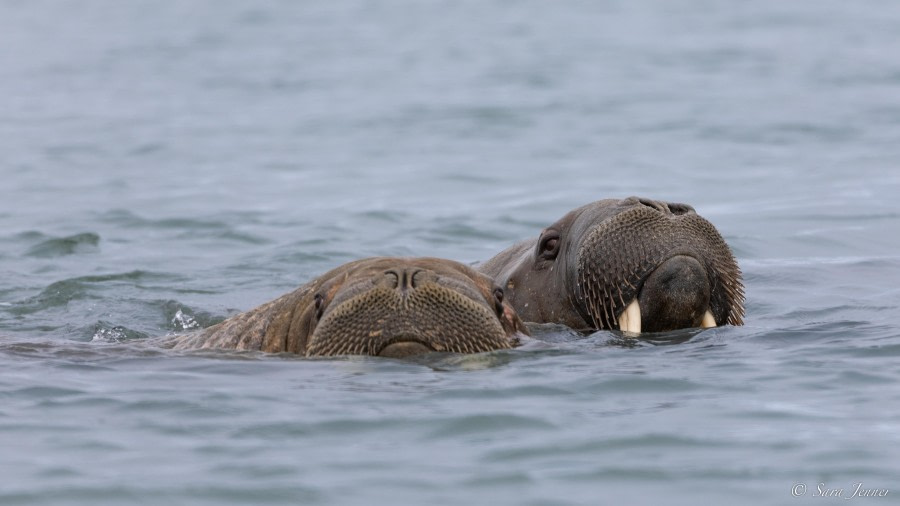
630 319
708 320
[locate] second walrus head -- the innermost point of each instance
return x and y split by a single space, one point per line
392 307
635 264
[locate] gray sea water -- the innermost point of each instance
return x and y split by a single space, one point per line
164 165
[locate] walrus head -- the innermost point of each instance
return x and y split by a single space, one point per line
635 265
398 307
391 307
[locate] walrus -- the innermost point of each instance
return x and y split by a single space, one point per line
635 265
389 307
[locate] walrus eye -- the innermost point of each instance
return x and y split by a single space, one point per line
319 308
549 245
498 300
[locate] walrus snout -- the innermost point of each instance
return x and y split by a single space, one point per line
410 309
656 266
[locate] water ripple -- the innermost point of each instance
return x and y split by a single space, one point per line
61 246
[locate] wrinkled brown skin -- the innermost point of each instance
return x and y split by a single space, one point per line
377 306
583 270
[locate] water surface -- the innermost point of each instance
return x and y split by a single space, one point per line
167 165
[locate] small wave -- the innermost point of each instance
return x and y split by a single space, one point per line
110 333
489 423
181 317
184 321
60 293
60 246
189 228
451 230
606 446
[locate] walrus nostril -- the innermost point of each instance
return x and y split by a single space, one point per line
680 209
652 204
674 208
415 278
393 277
405 279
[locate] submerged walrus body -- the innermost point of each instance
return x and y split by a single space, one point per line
378 306
635 265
